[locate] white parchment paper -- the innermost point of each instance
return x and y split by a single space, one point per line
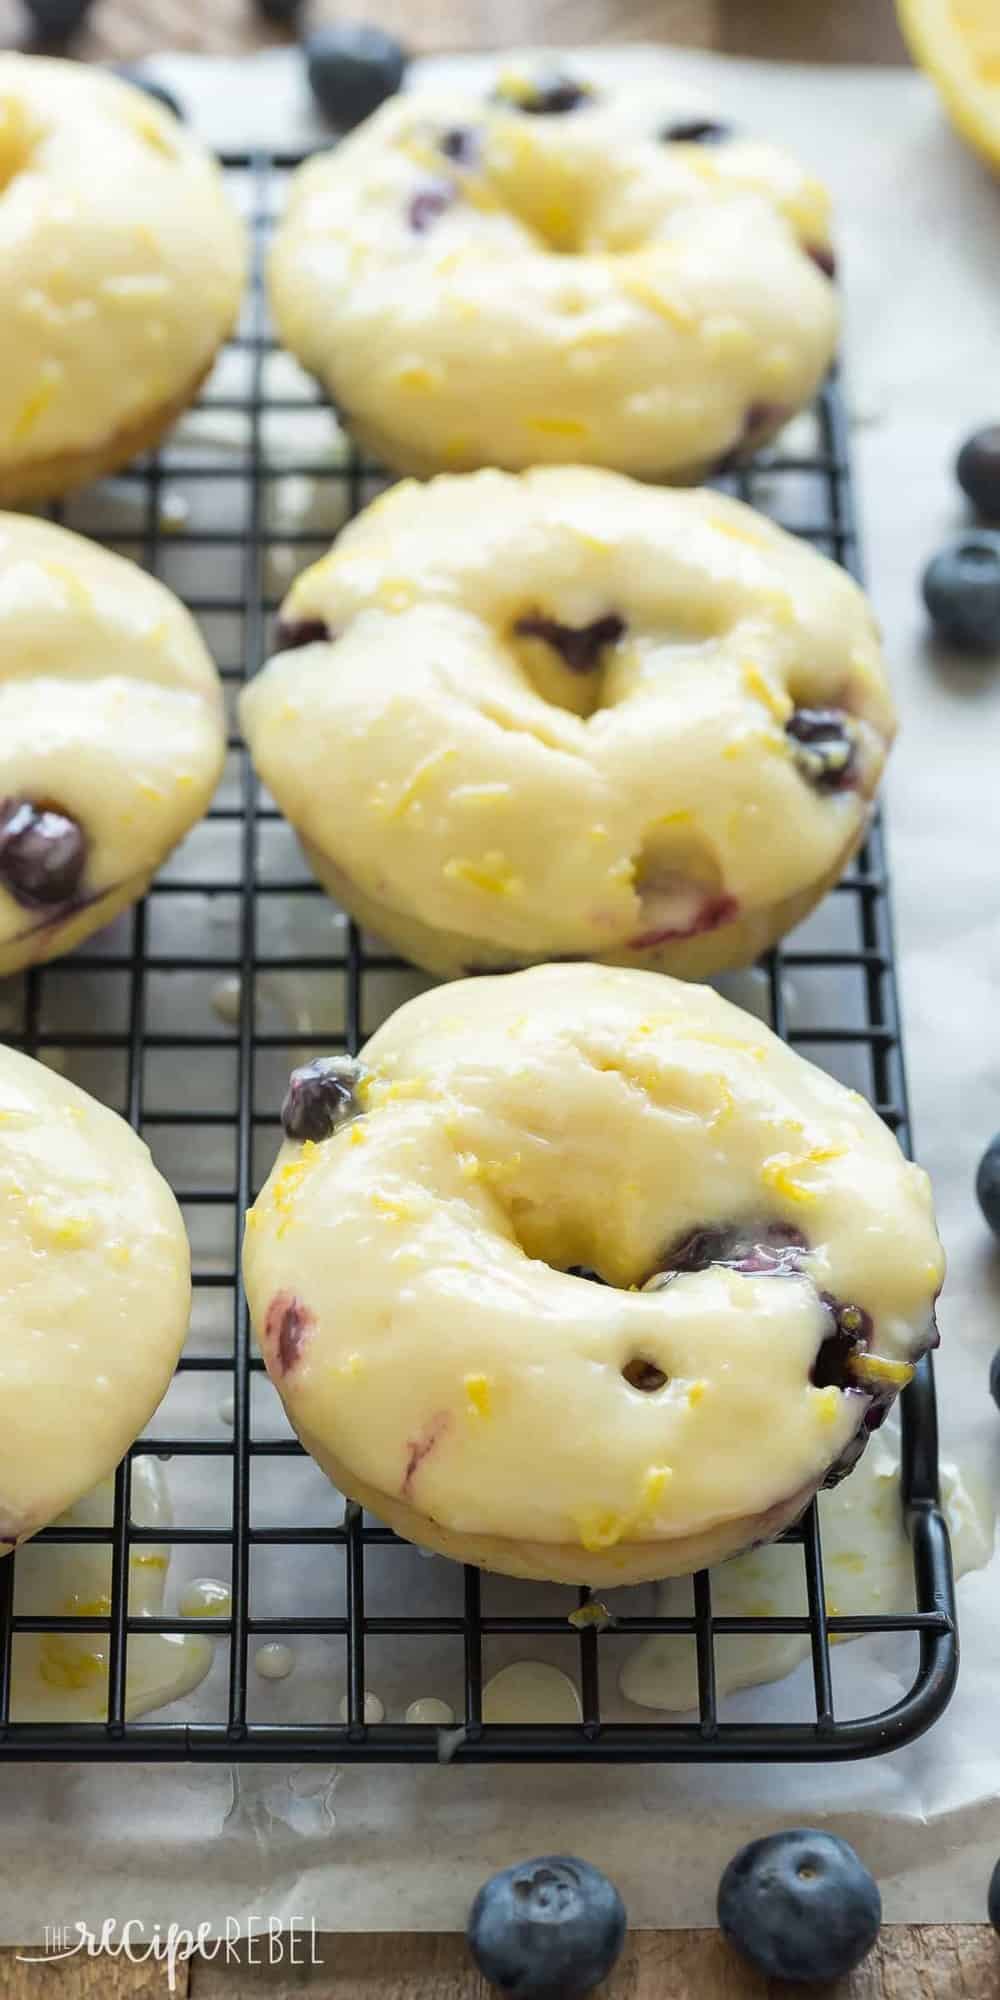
919 235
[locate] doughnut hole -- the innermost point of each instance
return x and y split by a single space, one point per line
642 1374
566 664
679 887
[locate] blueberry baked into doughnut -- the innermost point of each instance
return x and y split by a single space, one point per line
581 1274
111 735
96 1292
557 272
121 268
564 714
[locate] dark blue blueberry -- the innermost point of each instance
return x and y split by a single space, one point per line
158 90
549 1929
580 646
282 13
56 20
800 1905
988 1184
825 750
292 632
42 853
461 144
993 1903
757 1247
978 469
352 67
321 1096
995 1378
548 96
961 587
697 132
431 200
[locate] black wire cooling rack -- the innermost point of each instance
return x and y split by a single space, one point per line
117 1010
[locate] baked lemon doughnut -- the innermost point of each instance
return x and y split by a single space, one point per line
564 273
121 268
416 1270
96 1288
567 715
111 735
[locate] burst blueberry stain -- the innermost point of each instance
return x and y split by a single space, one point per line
714 912
823 258
292 632
824 748
286 1329
697 132
321 1095
579 646
461 144
759 1248
43 852
549 96
428 205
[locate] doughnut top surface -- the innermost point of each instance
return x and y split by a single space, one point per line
121 258
690 702
422 1280
95 1276
493 280
111 730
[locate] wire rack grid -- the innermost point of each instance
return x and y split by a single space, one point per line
115 1016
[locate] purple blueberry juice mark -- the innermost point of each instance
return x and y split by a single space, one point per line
430 202
824 748
759 421
579 646
286 1329
550 96
715 911
420 1448
321 1096
292 632
43 852
461 144
757 1247
823 257
697 132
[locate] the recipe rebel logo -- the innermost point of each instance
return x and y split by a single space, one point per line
276 1942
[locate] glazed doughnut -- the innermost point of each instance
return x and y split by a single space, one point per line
565 273
121 268
419 1268
563 714
96 1293
111 735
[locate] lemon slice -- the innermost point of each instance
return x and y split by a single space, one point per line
958 43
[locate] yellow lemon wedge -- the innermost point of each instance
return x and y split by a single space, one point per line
958 43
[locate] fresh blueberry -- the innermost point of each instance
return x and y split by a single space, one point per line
995 1386
548 1929
697 132
580 646
548 96
962 591
988 1184
292 632
431 201
824 747
352 69
800 1905
158 90
993 1904
320 1096
56 20
42 853
978 469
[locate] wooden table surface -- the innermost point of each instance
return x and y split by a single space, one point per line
933 1962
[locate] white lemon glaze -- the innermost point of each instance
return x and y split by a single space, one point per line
110 709
96 1292
580 288
121 265
408 1276
479 803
